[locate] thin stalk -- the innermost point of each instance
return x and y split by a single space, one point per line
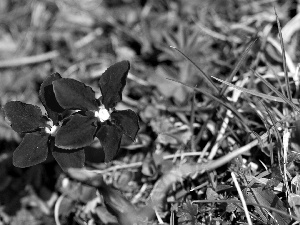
192 120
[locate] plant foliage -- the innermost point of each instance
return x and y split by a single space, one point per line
65 132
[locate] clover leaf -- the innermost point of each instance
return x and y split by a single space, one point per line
112 83
97 117
40 130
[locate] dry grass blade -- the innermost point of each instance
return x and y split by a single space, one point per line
237 186
56 209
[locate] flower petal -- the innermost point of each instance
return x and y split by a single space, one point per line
127 121
24 117
77 132
69 158
32 150
48 99
112 83
110 138
72 94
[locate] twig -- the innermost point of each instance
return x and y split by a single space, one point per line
88 38
28 60
8 63
139 194
139 164
227 158
118 167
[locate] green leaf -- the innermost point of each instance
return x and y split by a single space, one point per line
32 150
72 94
110 138
24 117
77 132
127 121
69 158
112 83
48 99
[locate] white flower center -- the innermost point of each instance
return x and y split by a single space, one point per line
102 114
52 130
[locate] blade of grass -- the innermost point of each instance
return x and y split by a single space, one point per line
251 92
274 123
216 89
238 65
192 120
278 138
288 89
288 101
226 105
206 77
277 77
261 95
263 117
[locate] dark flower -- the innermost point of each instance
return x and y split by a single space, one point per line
40 130
96 117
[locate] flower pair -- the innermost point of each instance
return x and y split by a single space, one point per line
66 135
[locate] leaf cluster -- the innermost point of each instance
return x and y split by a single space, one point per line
74 118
